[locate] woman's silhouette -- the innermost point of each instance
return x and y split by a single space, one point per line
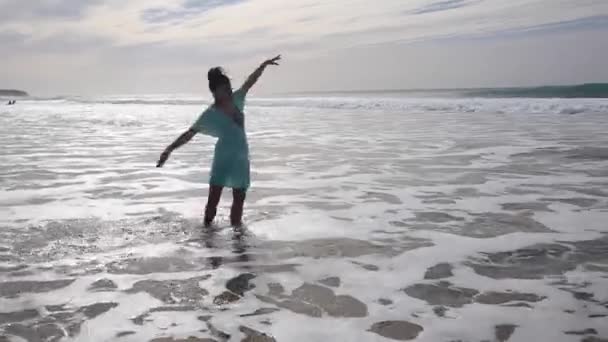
225 120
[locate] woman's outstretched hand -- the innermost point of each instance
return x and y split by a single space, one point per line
181 140
258 72
163 158
273 61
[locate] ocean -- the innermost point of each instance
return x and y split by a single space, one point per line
373 216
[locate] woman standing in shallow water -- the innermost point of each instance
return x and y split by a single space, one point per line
225 120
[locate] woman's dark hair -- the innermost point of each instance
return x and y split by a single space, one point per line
217 78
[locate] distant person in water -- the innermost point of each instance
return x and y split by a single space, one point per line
225 120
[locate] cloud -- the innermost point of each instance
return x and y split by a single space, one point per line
174 35
440 6
322 25
189 8
11 38
588 23
12 43
64 9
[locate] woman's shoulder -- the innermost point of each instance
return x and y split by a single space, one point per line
210 109
209 113
209 122
239 98
239 93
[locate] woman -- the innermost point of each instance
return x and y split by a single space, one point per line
225 120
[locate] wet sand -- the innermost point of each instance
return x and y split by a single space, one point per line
431 226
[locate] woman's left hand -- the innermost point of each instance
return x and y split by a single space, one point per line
163 158
273 61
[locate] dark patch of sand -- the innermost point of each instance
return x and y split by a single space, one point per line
345 247
37 332
293 306
271 268
530 206
594 339
397 330
17 316
140 319
336 306
493 297
178 308
588 331
439 201
187 339
496 224
470 192
533 262
275 289
540 260
580 295
260 311
581 202
381 197
103 285
440 311
94 310
368 267
446 294
252 335
12 289
519 305
226 297
182 291
436 217
313 300
442 293
60 323
385 301
439 271
330 281
124 333
486 225
150 265
503 332
15 268
54 308
597 315
240 284
236 288
215 332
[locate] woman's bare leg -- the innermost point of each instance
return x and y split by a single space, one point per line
215 192
236 212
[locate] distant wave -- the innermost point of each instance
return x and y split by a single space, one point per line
441 105
581 99
178 102
403 104
590 90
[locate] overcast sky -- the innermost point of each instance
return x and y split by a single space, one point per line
52 47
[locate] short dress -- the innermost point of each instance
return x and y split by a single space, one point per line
230 166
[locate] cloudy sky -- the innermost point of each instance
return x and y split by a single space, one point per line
52 47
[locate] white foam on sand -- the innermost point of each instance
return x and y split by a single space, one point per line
373 191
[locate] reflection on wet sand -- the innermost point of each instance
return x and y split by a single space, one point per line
209 237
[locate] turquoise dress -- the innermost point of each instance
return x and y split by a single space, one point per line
230 166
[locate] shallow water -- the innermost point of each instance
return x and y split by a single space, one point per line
368 220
